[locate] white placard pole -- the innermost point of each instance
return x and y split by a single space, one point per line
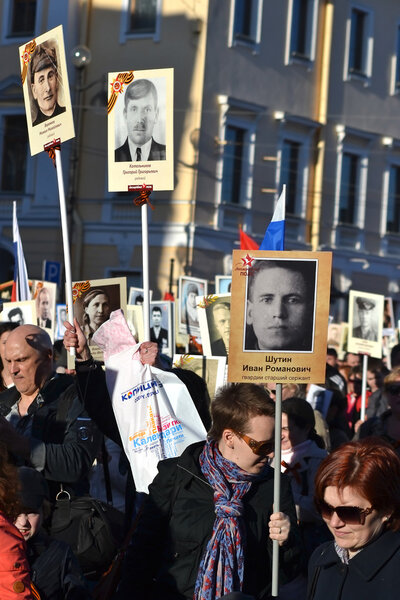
364 387
277 485
64 228
145 263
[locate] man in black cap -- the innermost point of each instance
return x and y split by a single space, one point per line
367 328
44 83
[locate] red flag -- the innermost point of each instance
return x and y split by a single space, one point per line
246 242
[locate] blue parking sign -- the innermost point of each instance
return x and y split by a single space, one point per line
52 271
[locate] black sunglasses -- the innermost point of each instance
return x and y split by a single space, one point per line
394 390
259 448
351 515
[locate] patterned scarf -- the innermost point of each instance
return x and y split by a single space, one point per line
222 566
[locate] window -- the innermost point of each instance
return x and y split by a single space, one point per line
141 18
302 29
397 71
14 153
349 188
22 18
246 22
290 173
360 44
393 205
233 165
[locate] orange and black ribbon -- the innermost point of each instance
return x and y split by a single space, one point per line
117 86
293 469
143 197
26 57
51 151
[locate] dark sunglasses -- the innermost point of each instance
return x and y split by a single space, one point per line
351 515
394 390
259 448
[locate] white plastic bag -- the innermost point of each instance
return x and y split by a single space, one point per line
155 414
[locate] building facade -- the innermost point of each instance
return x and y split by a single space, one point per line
301 92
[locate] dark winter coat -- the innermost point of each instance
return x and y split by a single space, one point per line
177 524
372 574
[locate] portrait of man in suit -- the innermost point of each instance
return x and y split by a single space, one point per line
222 322
367 328
43 308
141 114
158 334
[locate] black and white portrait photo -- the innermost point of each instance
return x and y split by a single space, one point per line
365 319
21 313
215 325
160 326
142 126
280 302
45 79
189 289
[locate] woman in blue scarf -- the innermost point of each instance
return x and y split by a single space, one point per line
208 525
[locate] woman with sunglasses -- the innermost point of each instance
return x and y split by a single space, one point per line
387 425
357 492
208 525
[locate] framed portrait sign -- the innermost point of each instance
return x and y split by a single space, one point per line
215 323
281 305
161 327
22 313
94 301
365 323
136 295
337 336
223 284
210 368
61 318
134 318
189 289
140 129
44 293
46 90
388 317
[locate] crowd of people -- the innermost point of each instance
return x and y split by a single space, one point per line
206 528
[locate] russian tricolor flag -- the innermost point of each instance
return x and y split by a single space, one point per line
274 238
20 289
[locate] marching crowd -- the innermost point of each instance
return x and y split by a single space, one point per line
206 527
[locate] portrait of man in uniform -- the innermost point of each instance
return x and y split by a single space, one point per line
364 311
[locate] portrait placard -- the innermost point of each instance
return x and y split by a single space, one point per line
46 90
189 289
140 129
215 322
281 305
337 336
161 327
44 293
94 301
365 323
136 295
134 318
223 284
210 368
22 313
61 318
388 327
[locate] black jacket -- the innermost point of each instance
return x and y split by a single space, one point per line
55 570
123 153
64 440
372 574
177 522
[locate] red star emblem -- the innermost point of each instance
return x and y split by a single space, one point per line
247 261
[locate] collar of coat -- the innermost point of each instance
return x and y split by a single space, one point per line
369 561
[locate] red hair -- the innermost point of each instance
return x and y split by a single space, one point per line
371 468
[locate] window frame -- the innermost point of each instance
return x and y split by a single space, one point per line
230 109
368 46
392 165
6 38
12 111
310 35
395 75
126 35
253 43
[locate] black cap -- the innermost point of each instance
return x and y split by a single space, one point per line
44 57
33 488
365 303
